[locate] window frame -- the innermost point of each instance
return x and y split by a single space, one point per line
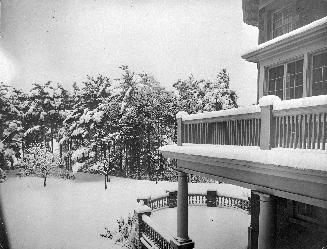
284 64
282 20
322 51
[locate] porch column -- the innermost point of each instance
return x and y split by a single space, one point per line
266 222
182 206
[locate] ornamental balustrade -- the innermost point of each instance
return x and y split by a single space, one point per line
298 123
151 235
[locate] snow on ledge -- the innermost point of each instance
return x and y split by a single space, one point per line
295 32
269 100
181 114
302 102
222 113
295 158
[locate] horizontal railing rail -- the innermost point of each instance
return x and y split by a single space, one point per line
299 123
210 198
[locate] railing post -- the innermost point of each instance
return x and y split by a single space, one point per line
211 198
267 124
172 199
140 224
179 117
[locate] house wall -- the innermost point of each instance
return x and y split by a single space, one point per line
294 232
305 12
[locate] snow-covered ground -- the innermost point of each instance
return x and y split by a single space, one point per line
72 214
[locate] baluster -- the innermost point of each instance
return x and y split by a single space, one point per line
201 132
295 132
323 127
241 132
313 140
277 132
255 132
318 131
283 131
304 122
184 133
299 118
248 132
291 133
309 131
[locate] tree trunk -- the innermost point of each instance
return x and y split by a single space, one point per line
105 182
45 182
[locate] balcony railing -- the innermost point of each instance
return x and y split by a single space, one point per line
299 123
151 235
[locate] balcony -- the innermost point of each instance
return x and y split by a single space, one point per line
276 148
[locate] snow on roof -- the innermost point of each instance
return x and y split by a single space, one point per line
295 158
222 113
302 102
315 24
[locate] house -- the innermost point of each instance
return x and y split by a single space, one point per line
278 147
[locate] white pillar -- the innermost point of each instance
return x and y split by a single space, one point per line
266 222
182 206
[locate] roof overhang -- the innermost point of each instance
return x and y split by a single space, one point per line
303 36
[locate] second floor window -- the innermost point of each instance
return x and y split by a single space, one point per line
286 81
282 22
319 74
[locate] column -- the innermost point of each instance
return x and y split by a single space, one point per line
182 206
266 222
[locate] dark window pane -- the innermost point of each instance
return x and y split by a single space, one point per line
272 73
279 84
298 92
317 60
271 85
316 89
289 79
291 68
299 79
280 94
288 94
324 74
320 60
317 75
299 66
280 71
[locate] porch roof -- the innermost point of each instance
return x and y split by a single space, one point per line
303 160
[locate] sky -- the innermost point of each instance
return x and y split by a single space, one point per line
65 40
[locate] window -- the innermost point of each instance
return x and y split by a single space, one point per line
286 81
319 74
282 22
310 213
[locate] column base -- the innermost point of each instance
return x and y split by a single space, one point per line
180 243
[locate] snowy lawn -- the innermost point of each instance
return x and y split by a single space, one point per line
72 214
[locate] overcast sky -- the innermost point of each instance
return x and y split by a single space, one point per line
64 40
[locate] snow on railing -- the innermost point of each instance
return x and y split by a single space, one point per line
298 123
211 199
156 234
